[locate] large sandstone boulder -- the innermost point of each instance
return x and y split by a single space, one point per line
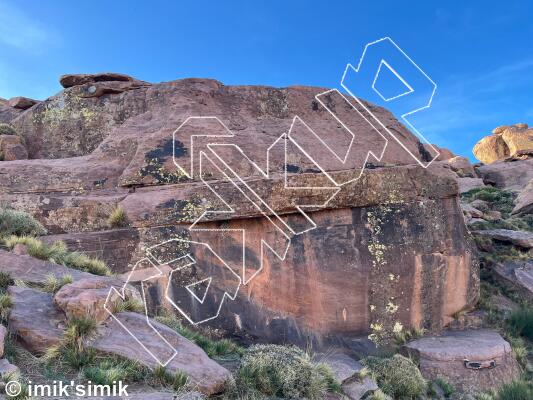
518 138
473 360
39 325
506 141
518 238
511 175
22 103
79 119
88 296
204 373
466 184
34 319
69 80
491 149
389 249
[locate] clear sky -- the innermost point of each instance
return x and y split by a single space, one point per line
480 53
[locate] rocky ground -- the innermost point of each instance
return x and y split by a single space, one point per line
416 282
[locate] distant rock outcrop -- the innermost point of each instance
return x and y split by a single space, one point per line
505 141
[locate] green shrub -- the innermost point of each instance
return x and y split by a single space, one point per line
397 376
19 223
6 129
520 322
518 390
5 281
447 388
378 395
52 284
117 217
502 252
283 371
131 304
501 200
213 348
519 348
176 381
115 369
58 253
517 223
406 335
5 307
72 349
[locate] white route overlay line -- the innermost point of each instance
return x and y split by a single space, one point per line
255 199
122 296
403 116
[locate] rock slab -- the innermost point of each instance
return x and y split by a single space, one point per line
89 295
518 238
34 319
205 374
33 270
471 360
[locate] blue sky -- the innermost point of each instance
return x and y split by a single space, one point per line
480 53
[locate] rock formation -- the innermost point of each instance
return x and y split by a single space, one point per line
378 245
470 360
245 220
505 141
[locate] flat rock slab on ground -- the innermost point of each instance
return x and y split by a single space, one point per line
34 319
518 238
455 355
205 374
356 389
518 274
33 270
343 366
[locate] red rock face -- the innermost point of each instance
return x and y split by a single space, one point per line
389 250
339 279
